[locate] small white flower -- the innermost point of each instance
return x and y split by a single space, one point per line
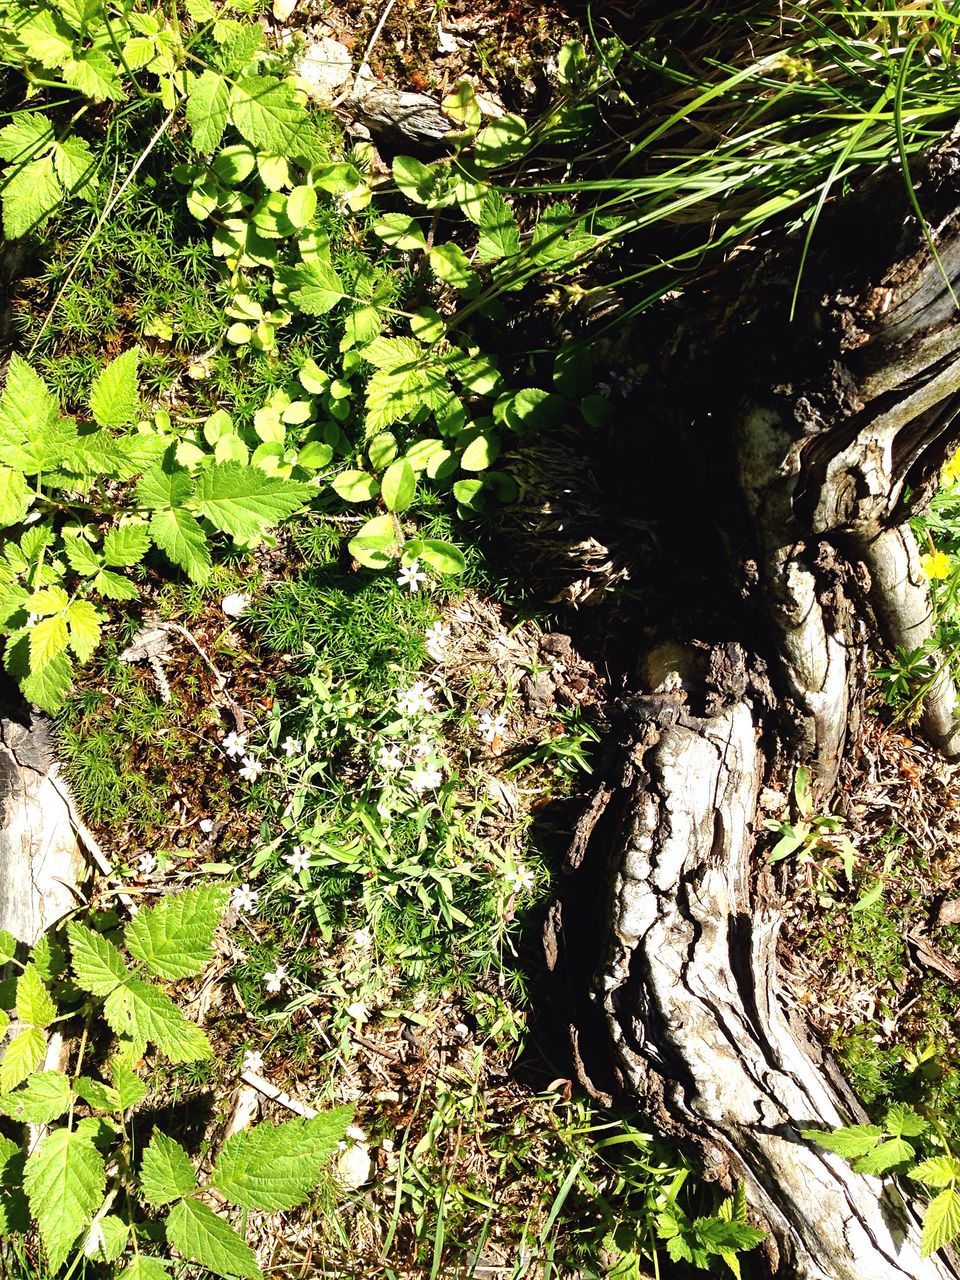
490 727
251 770
415 701
362 938
389 759
275 979
411 576
436 641
244 899
234 744
252 1062
358 1011
521 878
298 860
292 746
147 864
235 603
425 747
426 778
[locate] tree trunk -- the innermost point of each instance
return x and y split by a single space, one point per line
815 437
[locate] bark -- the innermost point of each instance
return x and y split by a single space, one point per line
836 423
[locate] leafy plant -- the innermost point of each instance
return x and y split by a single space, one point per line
815 840
79 1184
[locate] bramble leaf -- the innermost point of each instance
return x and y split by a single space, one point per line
244 501
114 398
65 1182
21 1057
45 1097
179 536
938 1171
126 545
203 1237
167 1172
853 1141
174 939
16 497
84 622
207 109
98 966
144 1013
271 116
941 1221
35 1005
273 1167
30 195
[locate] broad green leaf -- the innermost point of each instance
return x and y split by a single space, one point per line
414 178
76 167
27 134
127 1083
400 231
902 1121
274 1167
48 638
313 378
21 1057
98 1095
167 1172
107 1238
93 75
113 586
885 1156
360 327
314 455
84 622
30 195
382 450
244 501
270 115
850 1142
941 1221
207 109
8 946
179 536
174 939
98 966
375 544
234 164
398 485
444 557
47 688
938 1171
355 486
14 1210
499 234
427 325
203 1237
65 1182
451 265
144 1013
301 206
16 496
114 399
28 413
126 545
45 1097
481 452
35 1005
145 1268
503 140
313 287
48 600
461 105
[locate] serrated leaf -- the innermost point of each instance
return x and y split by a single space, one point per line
144 1013
269 114
45 1097
313 287
941 1221
76 167
273 1167
127 1083
98 1095
851 1142
48 600
8 946
27 134
499 235
94 75
938 1171
179 536
98 966
14 1210
167 1172
398 485
174 939
28 413
16 497
902 1121
126 545
114 398
106 1239
30 195
208 107
35 1005
84 622
203 1237
244 501
48 638
81 556
113 586
146 1268
451 266
21 1057
885 1156
65 1182
47 688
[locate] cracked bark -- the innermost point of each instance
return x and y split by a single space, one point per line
820 435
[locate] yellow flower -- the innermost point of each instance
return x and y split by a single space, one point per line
951 469
935 564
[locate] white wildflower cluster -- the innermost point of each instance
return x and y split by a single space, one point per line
234 746
437 640
419 760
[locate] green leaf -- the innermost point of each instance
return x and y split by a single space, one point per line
167 1172
202 1237
8 946
142 1011
444 557
76 167
94 75
375 544
84 621
174 939
301 206
270 115
382 450
400 231
48 638
43 1098
35 1005
902 1121
27 134
21 1057
47 688
314 287
16 496
30 195
499 234
885 1156
938 1171
850 1142
274 1167
461 105
181 539
126 545
107 1238
451 265
427 325
414 179
98 1095
127 1083
145 1268
503 140
113 586
481 452
941 1221
398 485
114 398
65 1182
244 501
98 966
28 413
355 486
207 109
